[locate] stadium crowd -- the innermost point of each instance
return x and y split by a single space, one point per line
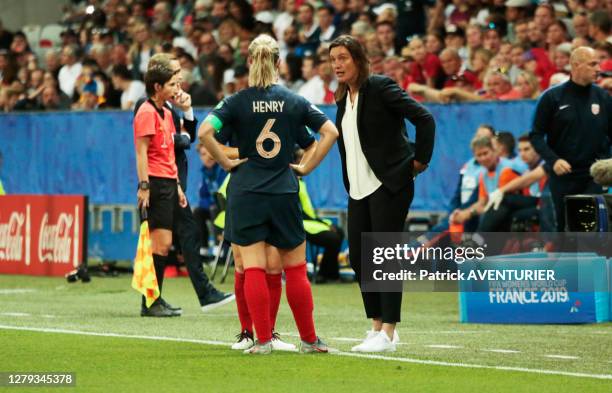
438 51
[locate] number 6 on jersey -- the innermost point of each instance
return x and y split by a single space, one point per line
266 133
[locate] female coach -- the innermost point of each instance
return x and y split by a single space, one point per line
378 167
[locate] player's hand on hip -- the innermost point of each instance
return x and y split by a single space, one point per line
299 169
562 167
229 165
143 198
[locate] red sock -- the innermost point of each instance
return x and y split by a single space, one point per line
246 323
258 301
299 296
275 287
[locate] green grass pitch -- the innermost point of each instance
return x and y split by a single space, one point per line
95 331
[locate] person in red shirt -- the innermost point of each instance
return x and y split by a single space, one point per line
159 191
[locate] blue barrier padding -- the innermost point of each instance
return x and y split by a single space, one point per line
92 153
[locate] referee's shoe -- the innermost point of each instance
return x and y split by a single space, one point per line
215 298
160 309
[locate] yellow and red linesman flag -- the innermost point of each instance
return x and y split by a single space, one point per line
144 279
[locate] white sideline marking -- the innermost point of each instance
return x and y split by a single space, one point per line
16 291
339 353
566 357
15 314
502 350
443 346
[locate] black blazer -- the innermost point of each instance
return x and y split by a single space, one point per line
381 110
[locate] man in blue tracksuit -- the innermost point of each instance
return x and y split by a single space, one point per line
572 128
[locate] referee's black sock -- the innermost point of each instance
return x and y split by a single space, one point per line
160 265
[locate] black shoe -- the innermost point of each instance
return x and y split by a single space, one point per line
157 309
326 280
216 298
171 307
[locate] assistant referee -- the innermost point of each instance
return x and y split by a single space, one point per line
572 128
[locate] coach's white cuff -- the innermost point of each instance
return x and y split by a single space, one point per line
188 115
187 135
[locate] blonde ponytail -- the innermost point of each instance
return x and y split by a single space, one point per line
264 54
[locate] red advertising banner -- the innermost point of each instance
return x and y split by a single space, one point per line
42 235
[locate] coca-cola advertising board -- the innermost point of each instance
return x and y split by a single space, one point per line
42 235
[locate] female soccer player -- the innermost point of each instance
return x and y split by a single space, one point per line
263 203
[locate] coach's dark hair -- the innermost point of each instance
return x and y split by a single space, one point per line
524 138
157 74
358 53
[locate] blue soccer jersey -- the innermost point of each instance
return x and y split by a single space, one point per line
267 124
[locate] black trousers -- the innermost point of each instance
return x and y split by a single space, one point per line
331 241
500 220
571 184
188 235
382 211
202 216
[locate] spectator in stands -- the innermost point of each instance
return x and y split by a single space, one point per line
455 39
561 57
141 50
536 36
603 50
51 100
492 39
580 23
516 10
102 55
70 71
473 39
543 17
207 55
307 30
480 60
53 62
528 86
434 43
556 34
385 34
599 26
132 90
425 68
312 89
327 31
521 32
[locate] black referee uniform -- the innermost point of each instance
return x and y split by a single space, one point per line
186 229
574 123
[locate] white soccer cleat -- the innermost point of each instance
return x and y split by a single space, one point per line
280 345
245 341
378 342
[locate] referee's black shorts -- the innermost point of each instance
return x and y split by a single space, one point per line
163 203
274 218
